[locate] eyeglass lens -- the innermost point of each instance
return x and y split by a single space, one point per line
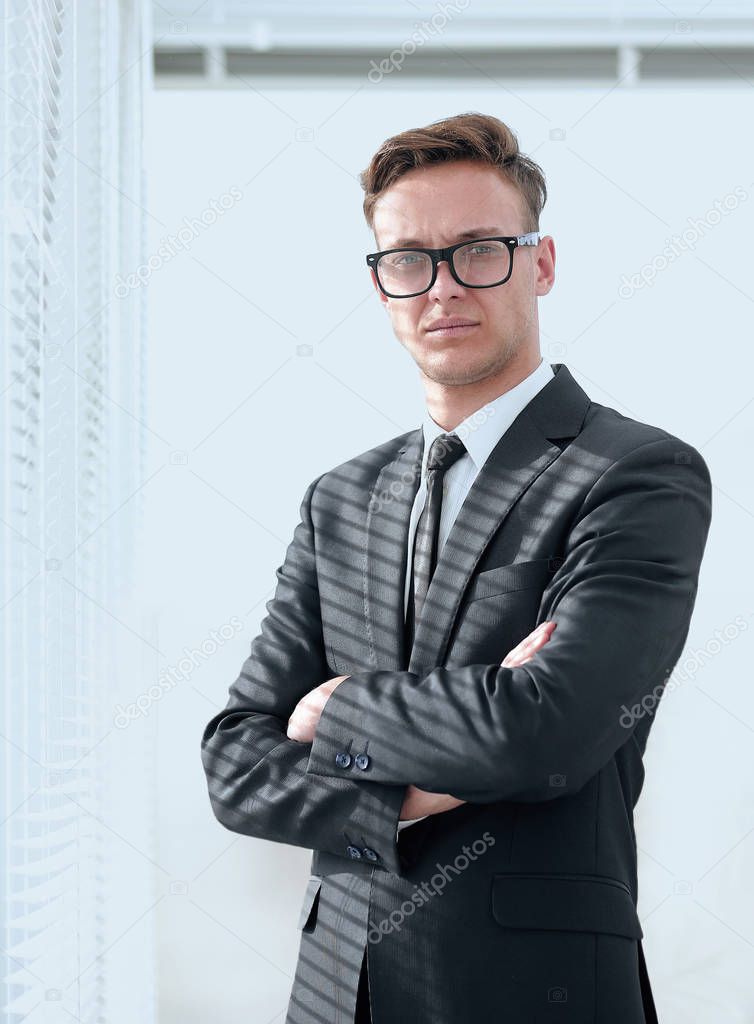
477 263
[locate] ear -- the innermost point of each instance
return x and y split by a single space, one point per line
383 298
545 266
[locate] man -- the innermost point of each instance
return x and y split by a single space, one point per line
466 778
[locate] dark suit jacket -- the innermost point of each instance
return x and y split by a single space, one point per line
519 905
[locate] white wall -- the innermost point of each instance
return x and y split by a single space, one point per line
258 421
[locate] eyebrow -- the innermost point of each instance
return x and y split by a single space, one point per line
402 243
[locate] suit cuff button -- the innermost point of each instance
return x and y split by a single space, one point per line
362 761
354 852
370 854
342 759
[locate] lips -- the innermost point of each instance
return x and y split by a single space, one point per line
448 323
451 327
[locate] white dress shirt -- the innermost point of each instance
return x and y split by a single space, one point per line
480 433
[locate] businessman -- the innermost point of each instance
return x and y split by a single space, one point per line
451 693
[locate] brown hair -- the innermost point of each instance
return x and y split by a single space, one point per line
469 136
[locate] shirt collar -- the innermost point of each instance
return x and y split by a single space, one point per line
483 428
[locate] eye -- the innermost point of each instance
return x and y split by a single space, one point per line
408 259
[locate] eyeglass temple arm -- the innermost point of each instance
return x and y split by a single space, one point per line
531 239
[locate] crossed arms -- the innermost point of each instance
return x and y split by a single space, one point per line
302 725
622 602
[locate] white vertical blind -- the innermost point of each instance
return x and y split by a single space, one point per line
76 861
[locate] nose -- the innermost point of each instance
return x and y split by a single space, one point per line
445 286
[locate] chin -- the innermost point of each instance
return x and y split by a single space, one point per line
452 376
456 367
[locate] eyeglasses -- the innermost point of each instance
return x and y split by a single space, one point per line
481 263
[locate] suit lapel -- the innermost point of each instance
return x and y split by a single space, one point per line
516 461
388 518
524 451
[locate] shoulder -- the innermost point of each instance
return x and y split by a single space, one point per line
612 437
626 457
357 475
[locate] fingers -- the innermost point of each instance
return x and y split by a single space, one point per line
529 646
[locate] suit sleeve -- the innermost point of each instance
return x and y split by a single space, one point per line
256 776
622 600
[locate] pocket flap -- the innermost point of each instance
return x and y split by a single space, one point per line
506 579
582 903
310 900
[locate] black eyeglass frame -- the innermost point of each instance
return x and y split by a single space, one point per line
439 255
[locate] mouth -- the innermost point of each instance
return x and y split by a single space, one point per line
451 327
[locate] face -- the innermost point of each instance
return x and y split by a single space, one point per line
435 207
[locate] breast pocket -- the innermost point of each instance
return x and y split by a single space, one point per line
507 579
500 608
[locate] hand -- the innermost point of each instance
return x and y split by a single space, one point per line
305 718
418 802
529 646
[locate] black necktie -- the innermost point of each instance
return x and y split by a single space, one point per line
445 450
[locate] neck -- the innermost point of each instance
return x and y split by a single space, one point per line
451 404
